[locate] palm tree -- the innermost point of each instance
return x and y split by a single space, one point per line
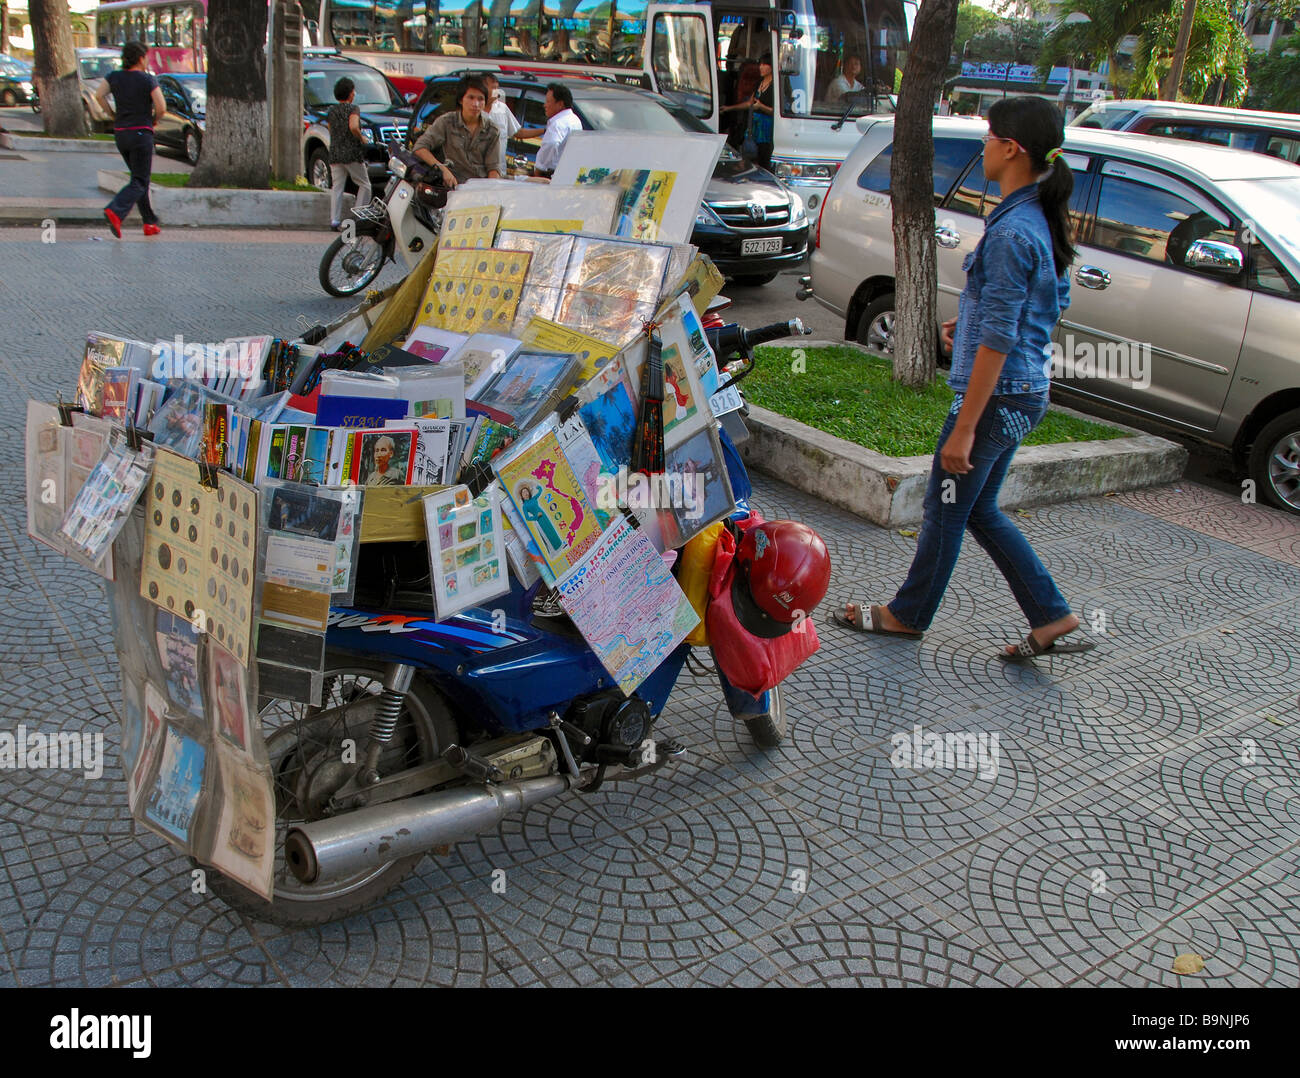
1098 38
1218 49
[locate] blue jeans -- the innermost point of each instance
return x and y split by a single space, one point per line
972 502
136 148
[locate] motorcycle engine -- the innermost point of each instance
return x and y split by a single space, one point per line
617 726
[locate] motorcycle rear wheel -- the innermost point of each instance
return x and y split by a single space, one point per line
346 268
298 746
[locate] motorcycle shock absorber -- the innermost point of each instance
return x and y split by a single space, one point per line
397 681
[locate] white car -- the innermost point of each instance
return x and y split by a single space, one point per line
1185 296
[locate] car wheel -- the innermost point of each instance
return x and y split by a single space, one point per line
876 326
10 99
1275 462
193 146
754 280
318 169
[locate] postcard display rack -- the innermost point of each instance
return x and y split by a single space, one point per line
227 512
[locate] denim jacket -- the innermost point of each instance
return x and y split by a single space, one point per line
1013 297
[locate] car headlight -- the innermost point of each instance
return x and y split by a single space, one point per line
27 86
808 171
397 167
705 216
797 211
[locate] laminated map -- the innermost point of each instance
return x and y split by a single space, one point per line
627 605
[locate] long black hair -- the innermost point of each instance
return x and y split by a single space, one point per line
1038 127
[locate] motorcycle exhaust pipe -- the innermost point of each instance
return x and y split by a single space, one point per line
369 837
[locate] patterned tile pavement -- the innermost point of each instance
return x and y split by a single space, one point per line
1145 800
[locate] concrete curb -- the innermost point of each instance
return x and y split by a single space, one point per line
31 143
219 207
889 490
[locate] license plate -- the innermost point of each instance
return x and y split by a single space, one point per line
769 246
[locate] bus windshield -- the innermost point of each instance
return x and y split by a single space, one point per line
837 55
372 89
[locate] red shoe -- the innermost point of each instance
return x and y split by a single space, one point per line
151 230
114 222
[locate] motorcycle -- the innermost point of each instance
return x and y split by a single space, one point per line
430 732
405 221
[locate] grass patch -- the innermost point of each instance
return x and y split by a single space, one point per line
851 395
182 179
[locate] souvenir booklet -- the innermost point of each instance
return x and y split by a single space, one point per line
434 391
119 389
101 506
549 498
467 558
530 386
59 461
627 605
435 345
174 798
178 422
383 457
593 354
433 437
700 470
483 356
104 351
243 846
686 404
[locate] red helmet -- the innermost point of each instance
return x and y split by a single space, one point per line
786 571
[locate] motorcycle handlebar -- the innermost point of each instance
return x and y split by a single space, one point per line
736 340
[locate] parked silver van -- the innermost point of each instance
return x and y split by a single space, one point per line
1185 297
1274 133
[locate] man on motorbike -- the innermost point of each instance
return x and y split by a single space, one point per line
469 143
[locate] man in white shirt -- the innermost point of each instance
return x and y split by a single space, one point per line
846 82
560 120
501 116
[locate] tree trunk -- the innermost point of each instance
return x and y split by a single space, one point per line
1175 77
237 141
55 68
911 179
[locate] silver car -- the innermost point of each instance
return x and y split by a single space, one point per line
1185 297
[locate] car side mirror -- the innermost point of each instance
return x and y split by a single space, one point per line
411 97
1214 256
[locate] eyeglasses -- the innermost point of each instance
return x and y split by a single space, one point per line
1002 138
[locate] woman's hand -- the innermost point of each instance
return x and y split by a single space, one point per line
946 334
954 458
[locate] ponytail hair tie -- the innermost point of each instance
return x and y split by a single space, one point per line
1053 154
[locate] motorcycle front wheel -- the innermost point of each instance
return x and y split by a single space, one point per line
306 748
768 731
346 268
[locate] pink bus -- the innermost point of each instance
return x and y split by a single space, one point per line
173 31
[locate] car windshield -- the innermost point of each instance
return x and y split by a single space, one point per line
1275 204
372 89
197 89
631 113
1106 119
96 67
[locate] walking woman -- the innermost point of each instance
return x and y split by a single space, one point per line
347 151
137 105
1017 285
761 107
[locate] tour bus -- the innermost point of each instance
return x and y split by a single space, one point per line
172 30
